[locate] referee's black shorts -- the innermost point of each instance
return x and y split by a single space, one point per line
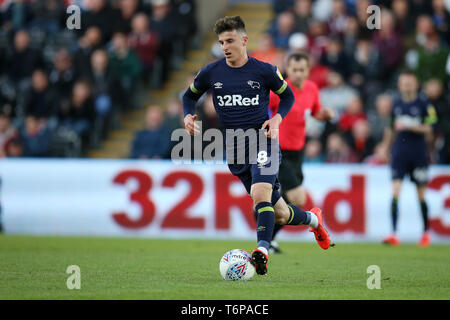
290 174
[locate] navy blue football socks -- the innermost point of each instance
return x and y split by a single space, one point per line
265 223
298 216
424 210
394 213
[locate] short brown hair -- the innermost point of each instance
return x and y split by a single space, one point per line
298 57
229 24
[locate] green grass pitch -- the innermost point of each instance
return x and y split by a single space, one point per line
34 267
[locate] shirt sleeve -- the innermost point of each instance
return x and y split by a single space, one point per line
275 80
199 86
273 103
201 83
430 115
317 106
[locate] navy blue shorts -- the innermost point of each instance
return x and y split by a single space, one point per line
263 166
410 163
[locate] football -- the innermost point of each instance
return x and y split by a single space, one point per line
236 265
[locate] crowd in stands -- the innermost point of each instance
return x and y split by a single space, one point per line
356 69
62 89
96 71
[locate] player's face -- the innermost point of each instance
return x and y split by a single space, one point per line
298 71
233 44
407 84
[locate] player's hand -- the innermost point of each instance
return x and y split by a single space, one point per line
400 126
273 125
189 124
325 114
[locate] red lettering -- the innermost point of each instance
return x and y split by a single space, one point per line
140 196
436 223
225 201
355 197
178 216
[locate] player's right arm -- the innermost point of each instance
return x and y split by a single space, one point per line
193 93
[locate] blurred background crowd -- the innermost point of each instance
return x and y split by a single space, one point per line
61 91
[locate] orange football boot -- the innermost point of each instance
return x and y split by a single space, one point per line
425 240
321 234
392 240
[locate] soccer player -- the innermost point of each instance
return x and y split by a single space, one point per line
412 118
292 131
240 86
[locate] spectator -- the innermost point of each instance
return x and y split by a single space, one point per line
24 60
174 115
403 17
441 19
125 64
298 43
434 90
322 9
350 36
337 95
352 114
390 45
380 155
79 116
62 77
362 15
337 150
280 6
154 141
360 140
100 14
318 38
266 51
13 148
7 132
18 15
106 86
366 67
433 60
49 15
145 42
163 22
284 28
127 10
380 118
318 73
339 18
303 15
313 151
41 100
35 138
88 43
424 28
186 26
335 58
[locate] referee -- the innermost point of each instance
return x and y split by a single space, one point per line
292 131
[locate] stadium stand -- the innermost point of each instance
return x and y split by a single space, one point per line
152 52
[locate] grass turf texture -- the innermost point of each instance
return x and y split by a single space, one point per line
116 268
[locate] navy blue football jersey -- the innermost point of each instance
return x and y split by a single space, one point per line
419 111
240 95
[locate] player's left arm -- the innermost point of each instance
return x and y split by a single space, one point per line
430 118
278 85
